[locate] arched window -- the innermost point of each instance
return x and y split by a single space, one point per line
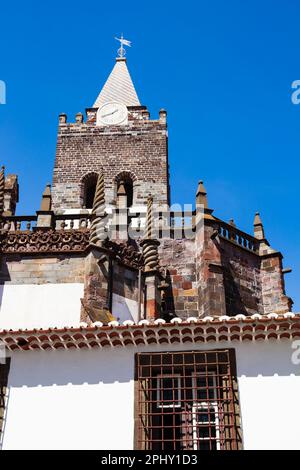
125 184
89 183
90 194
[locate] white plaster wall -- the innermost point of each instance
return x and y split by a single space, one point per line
81 400
84 399
124 309
40 306
269 388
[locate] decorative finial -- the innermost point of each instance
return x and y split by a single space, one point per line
201 197
123 42
46 199
121 189
259 232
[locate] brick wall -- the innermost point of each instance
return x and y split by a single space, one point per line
139 148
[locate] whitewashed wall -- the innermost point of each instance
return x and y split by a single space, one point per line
40 306
70 400
84 399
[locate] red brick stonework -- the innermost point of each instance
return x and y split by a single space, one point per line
139 149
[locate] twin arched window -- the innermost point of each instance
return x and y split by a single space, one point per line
124 183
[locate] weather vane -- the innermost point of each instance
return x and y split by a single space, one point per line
123 42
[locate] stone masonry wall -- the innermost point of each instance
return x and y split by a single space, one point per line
177 258
139 149
17 269
207 276
209 272
242 280
233 280
96 281
213 276
273 289
125 282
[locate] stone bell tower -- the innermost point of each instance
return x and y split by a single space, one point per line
118 139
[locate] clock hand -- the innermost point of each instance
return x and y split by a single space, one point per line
109 114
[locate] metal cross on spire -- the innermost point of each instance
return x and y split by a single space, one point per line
123 42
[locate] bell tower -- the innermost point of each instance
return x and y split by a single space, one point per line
117 138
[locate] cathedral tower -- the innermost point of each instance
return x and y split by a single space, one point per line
117 138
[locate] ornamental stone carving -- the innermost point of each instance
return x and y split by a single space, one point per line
50 241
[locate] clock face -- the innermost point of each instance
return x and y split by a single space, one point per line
112 113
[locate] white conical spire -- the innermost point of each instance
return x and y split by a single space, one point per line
118 87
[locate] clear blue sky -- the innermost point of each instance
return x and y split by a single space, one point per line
223 70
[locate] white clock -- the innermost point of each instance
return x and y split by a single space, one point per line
111 114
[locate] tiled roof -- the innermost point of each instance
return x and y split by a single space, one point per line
191 331
118 87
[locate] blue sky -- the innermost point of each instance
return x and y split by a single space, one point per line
223 70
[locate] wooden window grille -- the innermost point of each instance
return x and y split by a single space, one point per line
187 401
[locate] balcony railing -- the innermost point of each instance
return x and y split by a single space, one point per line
238 237
14 223
26 223
168 224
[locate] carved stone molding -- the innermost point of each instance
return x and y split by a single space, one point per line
125 253
71 240
44 241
